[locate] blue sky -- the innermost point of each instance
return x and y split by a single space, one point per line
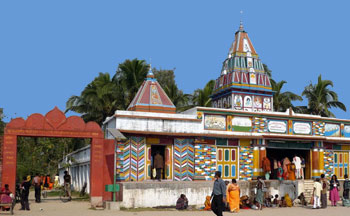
52 50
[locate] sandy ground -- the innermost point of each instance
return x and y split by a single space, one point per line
55 207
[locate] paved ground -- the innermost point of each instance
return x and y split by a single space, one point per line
57 208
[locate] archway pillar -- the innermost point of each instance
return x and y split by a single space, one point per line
9 161
96 171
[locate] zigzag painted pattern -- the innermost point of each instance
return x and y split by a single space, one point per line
126 161
141 160
183 160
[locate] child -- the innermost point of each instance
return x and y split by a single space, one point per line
182 202
275 202
207 204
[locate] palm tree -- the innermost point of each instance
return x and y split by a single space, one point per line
283 100
98 100
201 97
130 75
179 99
321 98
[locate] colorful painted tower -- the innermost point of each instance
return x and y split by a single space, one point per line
151 97
243 83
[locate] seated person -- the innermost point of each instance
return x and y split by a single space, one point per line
288 200
5 197
301 197
207 204
276 202
244 202
268 201
282 203
182 202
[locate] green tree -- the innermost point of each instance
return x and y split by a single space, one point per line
98 100
283 100
2 123
321 98
129 77
201 97
267 70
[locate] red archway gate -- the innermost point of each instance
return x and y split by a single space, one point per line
55 124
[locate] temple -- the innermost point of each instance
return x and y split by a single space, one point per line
233 136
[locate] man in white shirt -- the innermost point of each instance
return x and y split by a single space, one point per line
297 163
317 194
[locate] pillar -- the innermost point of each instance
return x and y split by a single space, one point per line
315 163
9 161
96 172
262 154
321 161
256 163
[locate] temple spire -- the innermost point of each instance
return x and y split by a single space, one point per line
241 29
150 72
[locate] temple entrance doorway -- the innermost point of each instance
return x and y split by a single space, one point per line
275 153
161 150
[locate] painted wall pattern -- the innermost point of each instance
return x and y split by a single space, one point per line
318 128
328 163
259 124
183 160
245 163
205 161
123 161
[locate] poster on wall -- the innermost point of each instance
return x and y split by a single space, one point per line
332 130
238 102
257 102
346 130
302 128
215 122
267 104
277 126
252 79
243 124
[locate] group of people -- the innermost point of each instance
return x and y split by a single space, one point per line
284 169
39 183
322 185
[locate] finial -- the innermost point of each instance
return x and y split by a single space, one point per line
241 22
150 72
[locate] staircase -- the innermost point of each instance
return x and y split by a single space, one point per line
308 189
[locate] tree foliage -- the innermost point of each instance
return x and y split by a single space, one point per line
2 123
42 155
321 98
201 97
283 100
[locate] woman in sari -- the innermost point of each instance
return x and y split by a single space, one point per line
279 171
286 162
260 187
232 196
334 190
5 197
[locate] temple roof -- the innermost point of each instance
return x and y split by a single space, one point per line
242 69
151 97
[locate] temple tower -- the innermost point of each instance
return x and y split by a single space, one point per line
243 83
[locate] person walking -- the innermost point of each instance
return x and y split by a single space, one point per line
260 189
317 194
346 187
218 195
25 186
325 184
334 190
233 197
37 187
67 184
158 165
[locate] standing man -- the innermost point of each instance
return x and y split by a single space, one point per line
317 194
67 184
37 187
25 186
158 164
218 194
324 183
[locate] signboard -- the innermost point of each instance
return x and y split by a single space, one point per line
302 128
243 124
346 130
332 130
277 126
215 122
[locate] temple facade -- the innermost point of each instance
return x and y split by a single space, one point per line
233 136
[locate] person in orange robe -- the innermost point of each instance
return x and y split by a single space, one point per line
207 204
291 171
232 196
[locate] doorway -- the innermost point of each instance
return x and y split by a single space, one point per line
154 150
280 153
